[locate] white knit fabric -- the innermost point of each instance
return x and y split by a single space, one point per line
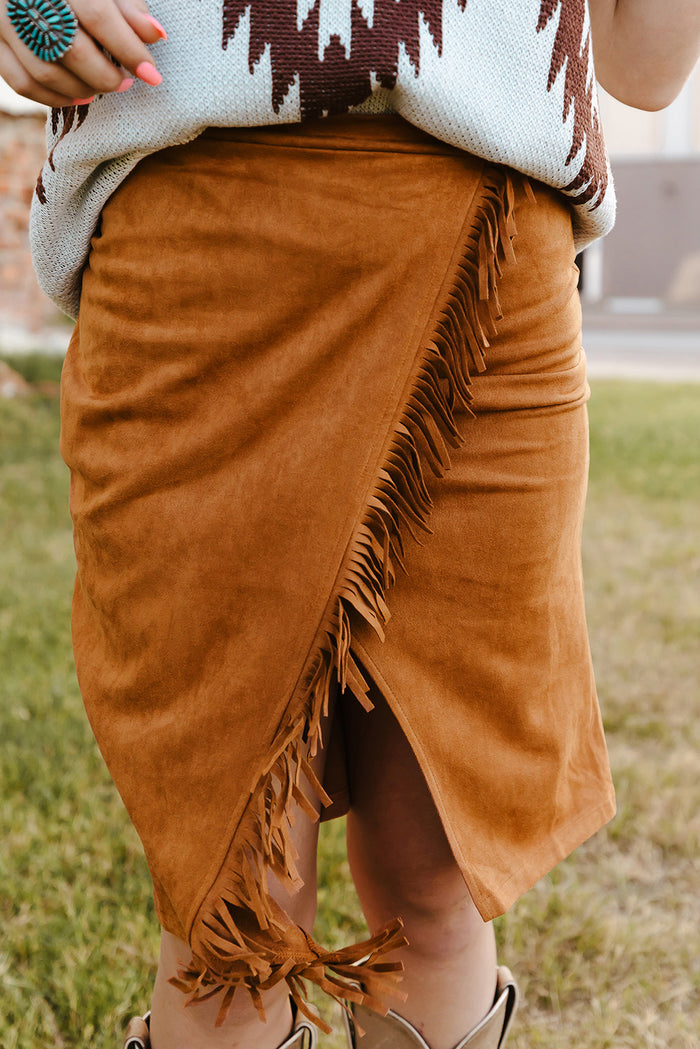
487 91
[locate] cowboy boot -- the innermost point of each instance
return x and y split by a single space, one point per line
393 1032
303 1034
138 1033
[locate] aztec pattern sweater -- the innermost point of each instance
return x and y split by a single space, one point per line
510 81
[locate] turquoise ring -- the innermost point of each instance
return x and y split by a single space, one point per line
47 27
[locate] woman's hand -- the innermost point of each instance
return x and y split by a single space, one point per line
644 50
121 27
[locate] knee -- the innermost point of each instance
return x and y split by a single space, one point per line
300 905
421 882
423 893
440 918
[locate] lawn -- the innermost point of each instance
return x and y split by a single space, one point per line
605 948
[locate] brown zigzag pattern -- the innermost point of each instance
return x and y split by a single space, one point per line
335 82
592 180
72 117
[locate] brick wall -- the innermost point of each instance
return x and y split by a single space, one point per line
22 150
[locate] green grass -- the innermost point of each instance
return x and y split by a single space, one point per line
605 947
36 367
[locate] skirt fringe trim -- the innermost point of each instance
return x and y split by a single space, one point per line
241 937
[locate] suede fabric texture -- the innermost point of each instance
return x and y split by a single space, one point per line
256 316
486 662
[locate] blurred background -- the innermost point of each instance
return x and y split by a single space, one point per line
640 286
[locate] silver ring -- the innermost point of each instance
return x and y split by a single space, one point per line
46 27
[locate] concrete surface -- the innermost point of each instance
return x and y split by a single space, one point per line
663 345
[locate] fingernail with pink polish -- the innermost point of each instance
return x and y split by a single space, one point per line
147 72
126 83
157 26
83 101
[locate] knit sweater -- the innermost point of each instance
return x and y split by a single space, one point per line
510 81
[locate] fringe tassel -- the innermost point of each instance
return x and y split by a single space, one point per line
244 939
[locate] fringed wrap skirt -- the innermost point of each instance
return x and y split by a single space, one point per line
324 411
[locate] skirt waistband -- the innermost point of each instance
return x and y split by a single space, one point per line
384 132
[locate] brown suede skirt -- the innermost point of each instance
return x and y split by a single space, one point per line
301 349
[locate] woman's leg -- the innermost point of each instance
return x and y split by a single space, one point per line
177 1026
402 864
